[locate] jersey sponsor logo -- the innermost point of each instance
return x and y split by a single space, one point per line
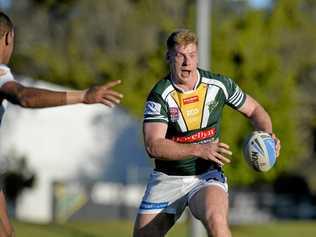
192 112
190 100
174 114
196 137
152 108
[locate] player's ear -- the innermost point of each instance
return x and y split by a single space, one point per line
8 37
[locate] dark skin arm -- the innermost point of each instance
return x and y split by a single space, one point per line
30 97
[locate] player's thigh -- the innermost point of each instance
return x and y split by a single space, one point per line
153 225
209 201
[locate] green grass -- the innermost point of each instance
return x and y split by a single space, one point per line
124 229
278 229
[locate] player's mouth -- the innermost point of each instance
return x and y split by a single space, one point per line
185 72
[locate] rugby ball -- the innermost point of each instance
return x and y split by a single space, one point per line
259 151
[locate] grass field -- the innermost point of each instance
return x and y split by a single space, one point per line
124 229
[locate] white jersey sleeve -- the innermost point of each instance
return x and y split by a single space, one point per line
5 75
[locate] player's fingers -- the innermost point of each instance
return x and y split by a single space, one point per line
277 144
225 151
112 84
222 158
107 103
217 161
113 93
277 147
111 99
224 145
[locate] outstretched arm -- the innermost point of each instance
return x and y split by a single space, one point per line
30 97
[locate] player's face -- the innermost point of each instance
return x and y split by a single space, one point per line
183 62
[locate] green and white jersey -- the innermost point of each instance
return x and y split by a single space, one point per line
192 116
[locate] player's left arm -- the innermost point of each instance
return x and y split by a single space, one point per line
259 118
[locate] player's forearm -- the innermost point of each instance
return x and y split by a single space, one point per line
261 120
74 97
40 98
166 149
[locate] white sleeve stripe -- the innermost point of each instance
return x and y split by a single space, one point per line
237 101
156 118
153 116
236 94
234 101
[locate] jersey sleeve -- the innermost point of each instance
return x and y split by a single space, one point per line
5 75
155 109
236 97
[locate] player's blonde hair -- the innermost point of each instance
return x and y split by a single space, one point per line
181 37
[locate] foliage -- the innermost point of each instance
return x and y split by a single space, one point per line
249 52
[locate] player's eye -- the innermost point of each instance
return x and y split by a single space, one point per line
179 56
192 55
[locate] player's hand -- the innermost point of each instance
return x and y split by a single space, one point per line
277 144
103 94
215 151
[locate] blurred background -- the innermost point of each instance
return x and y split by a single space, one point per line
81 170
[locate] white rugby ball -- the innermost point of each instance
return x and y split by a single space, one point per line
259 151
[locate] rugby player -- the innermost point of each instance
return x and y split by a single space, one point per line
182 134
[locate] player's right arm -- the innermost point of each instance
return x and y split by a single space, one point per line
159 147
30 97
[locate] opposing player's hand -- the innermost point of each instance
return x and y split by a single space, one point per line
216 151
103 94
277 144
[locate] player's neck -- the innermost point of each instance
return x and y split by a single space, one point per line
185 85
2 61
